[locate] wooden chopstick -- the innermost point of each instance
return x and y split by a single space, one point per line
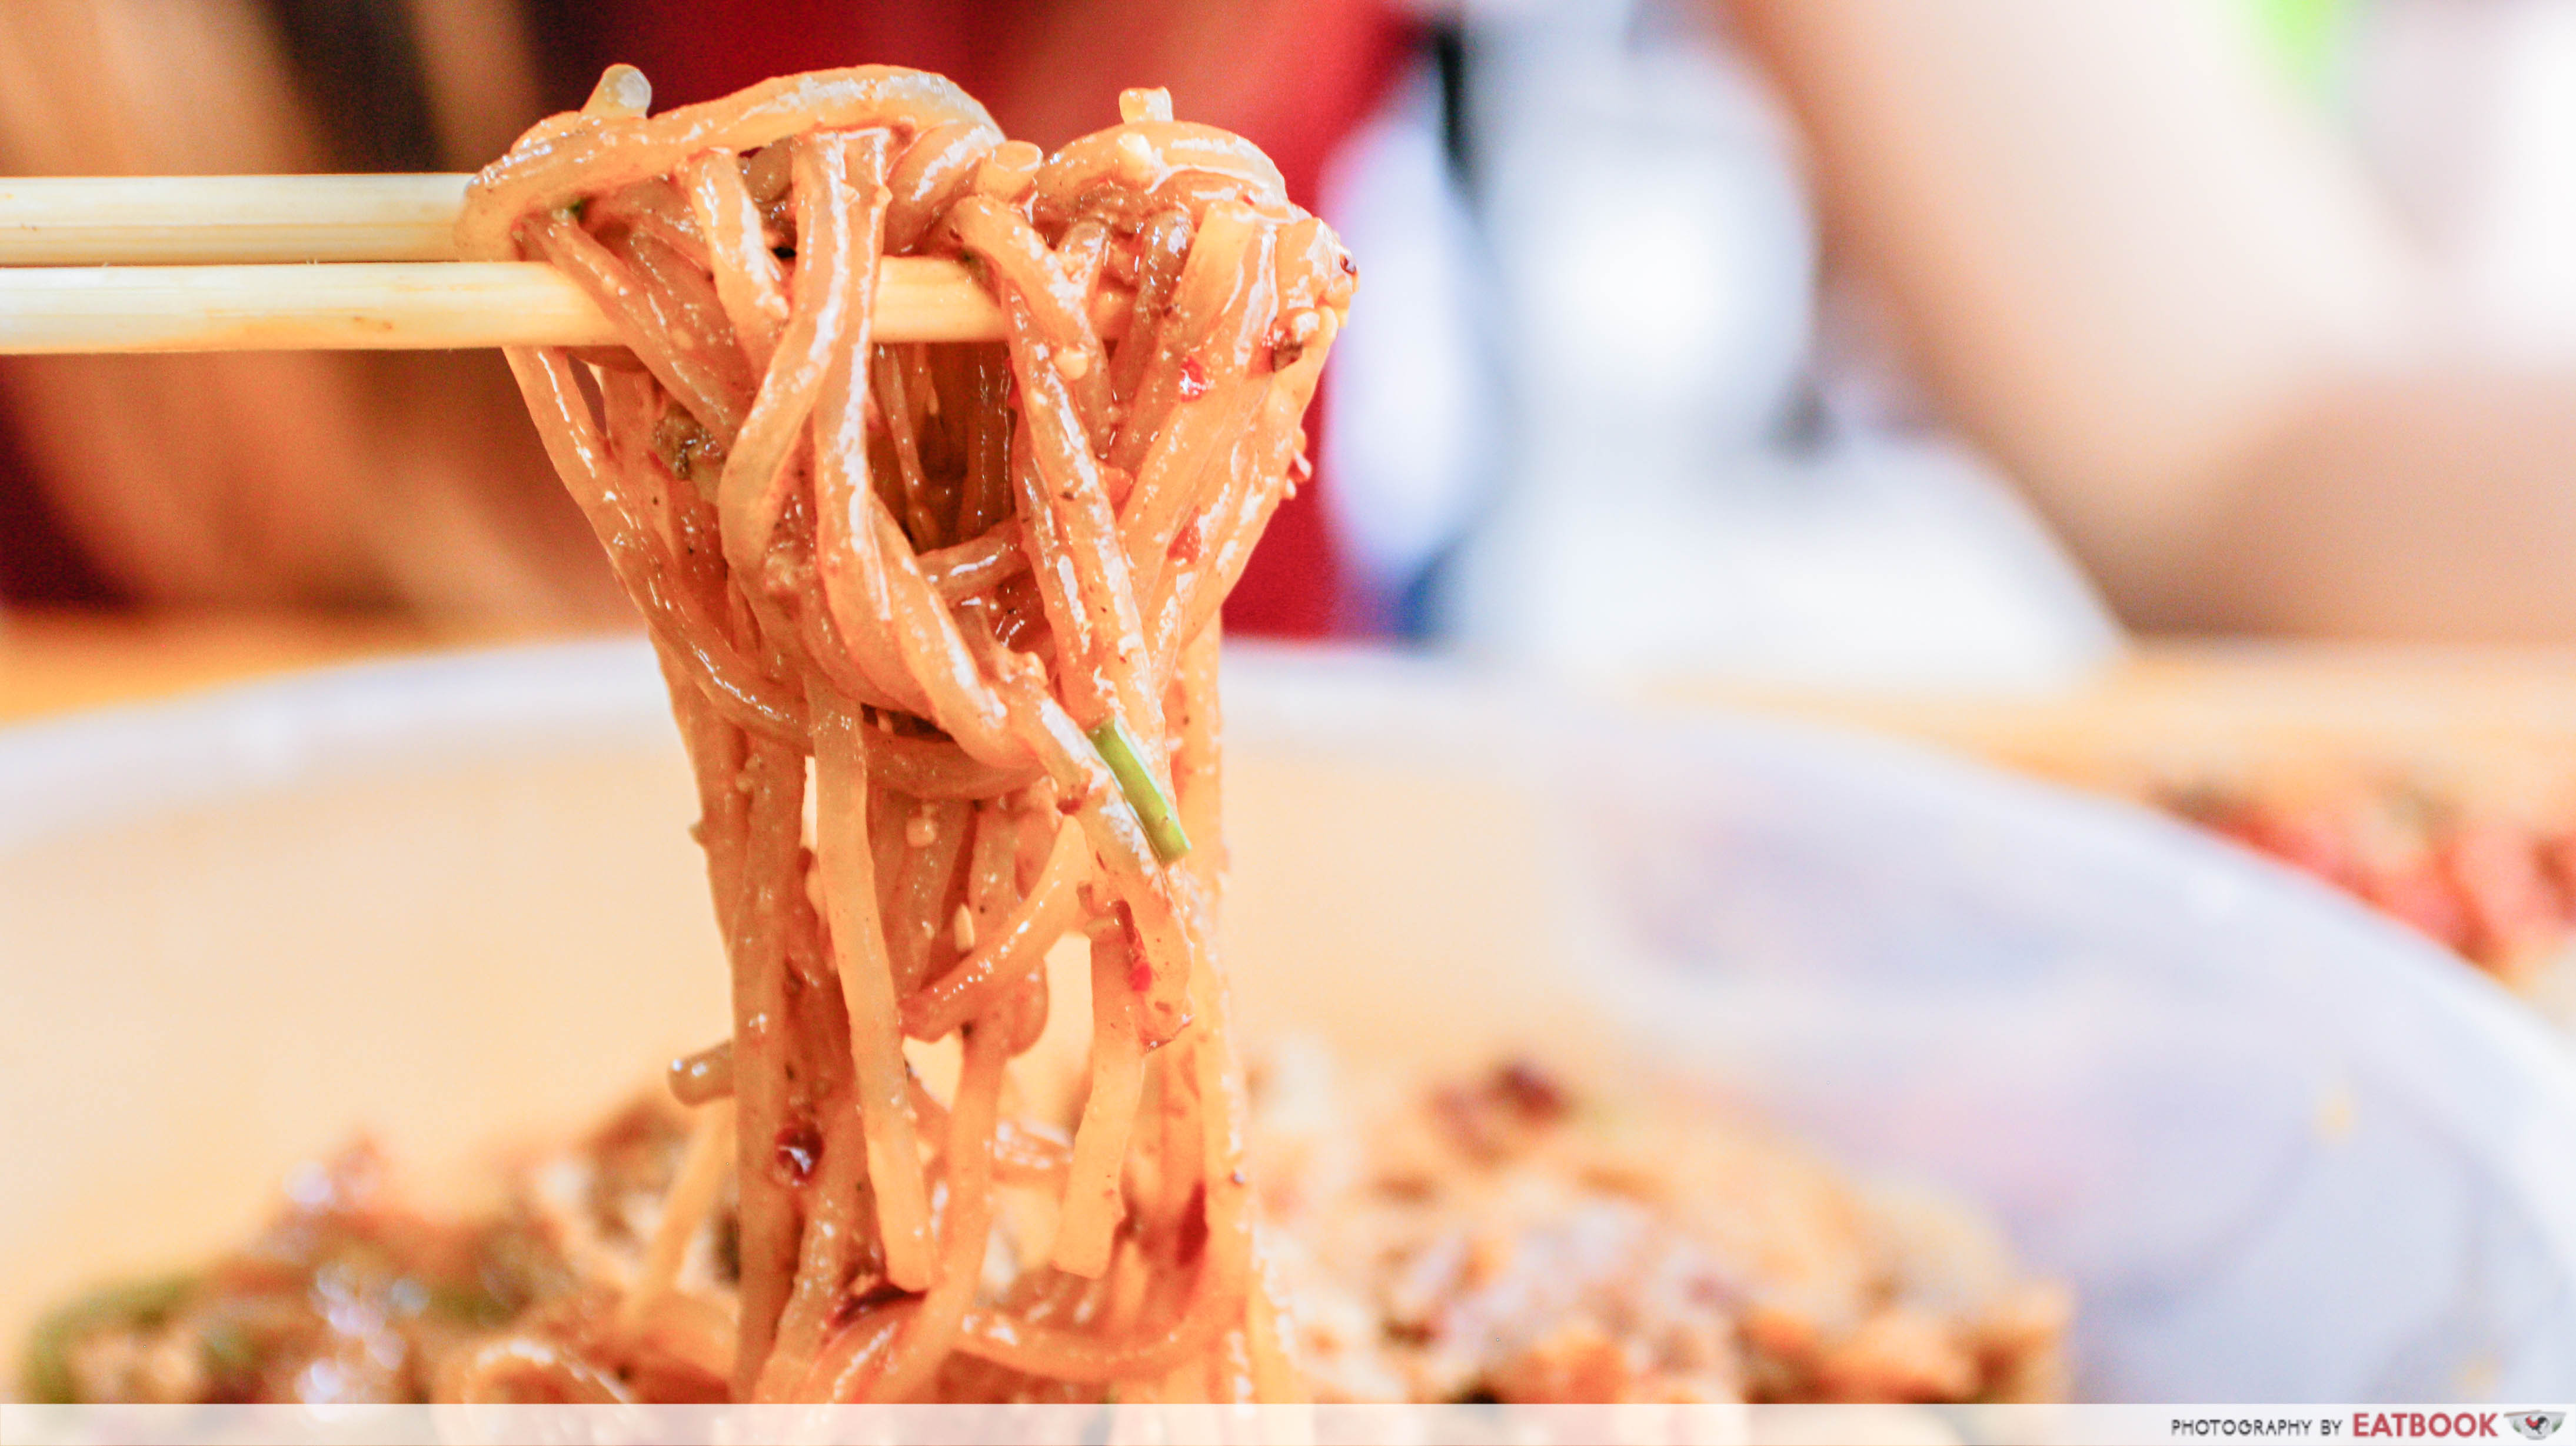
386 283
179 220
390 306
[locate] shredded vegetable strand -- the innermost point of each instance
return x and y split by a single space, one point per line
932 1332
835 275
748 279
1092 1208
867 989
1011 947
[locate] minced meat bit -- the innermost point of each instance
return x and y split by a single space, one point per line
1509 1239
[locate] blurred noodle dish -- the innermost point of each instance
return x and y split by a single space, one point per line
939 624
2494 886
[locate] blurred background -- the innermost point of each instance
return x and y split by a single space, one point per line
1853 341
1960 352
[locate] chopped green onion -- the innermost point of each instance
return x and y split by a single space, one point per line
144 1303
1144 793
473 1304
230 1353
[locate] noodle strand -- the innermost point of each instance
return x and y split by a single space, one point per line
975 589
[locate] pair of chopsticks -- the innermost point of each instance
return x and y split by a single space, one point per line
293 263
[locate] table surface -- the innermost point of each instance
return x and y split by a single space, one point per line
2495 720
58 662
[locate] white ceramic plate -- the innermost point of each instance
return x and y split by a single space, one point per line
2282 1150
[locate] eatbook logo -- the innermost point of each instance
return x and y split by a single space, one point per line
2536 1425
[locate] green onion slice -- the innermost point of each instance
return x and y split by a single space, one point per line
46 1369
1144 792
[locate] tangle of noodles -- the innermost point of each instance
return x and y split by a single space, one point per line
967 596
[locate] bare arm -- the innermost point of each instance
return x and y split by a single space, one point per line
2176 311
289 479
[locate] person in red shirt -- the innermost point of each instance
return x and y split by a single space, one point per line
402 481
2117 259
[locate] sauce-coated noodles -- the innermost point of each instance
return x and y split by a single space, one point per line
939 624
966 597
